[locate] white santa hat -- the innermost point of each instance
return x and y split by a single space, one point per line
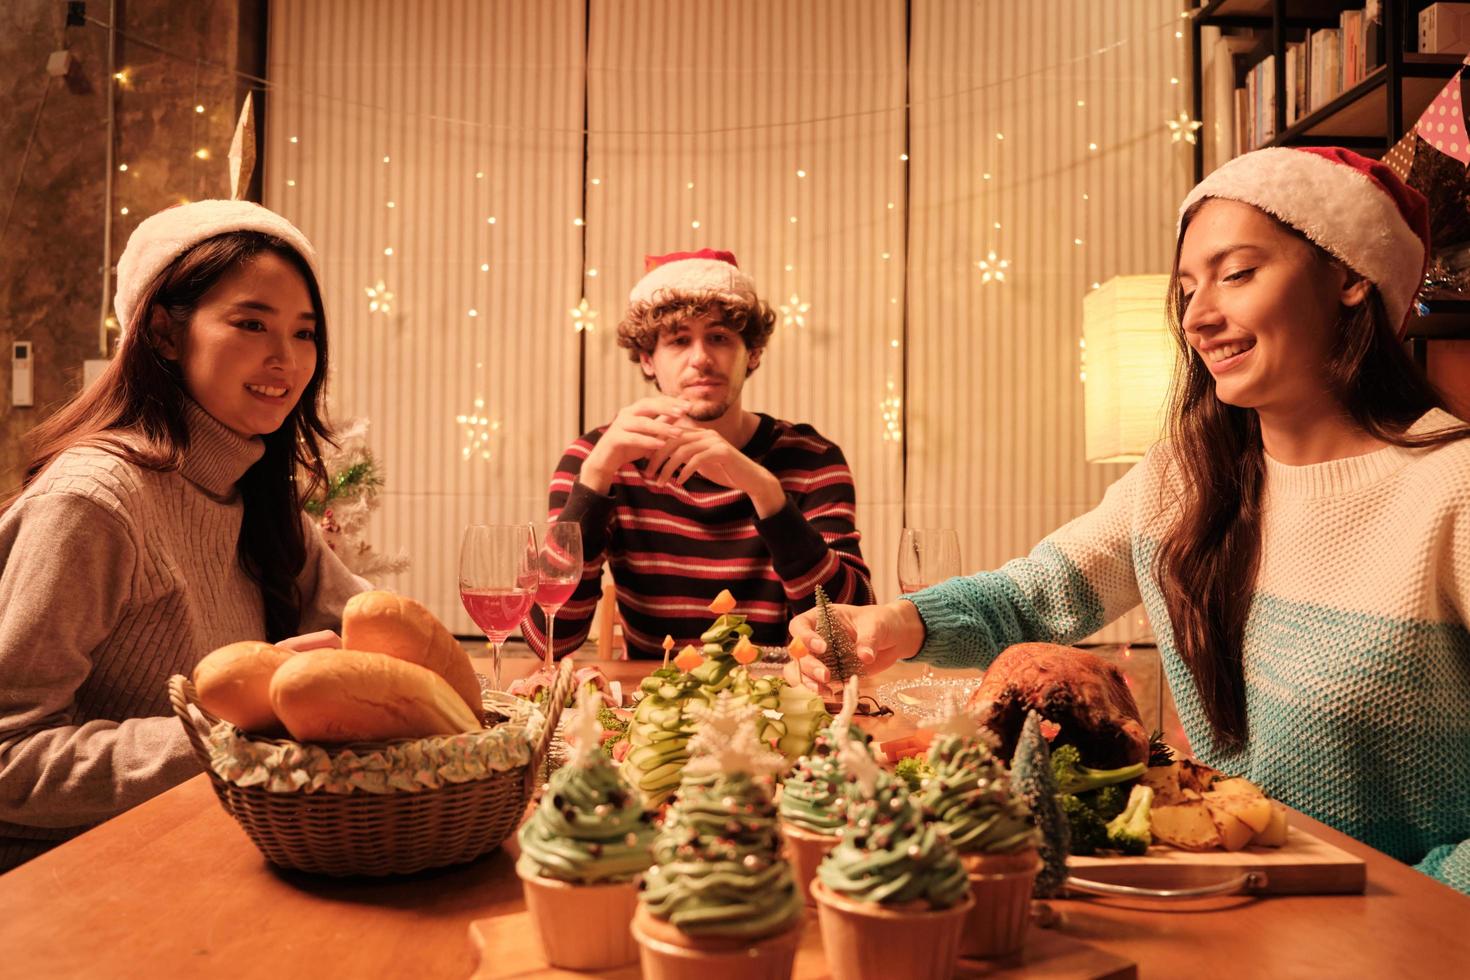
163 237
707 272
1355 208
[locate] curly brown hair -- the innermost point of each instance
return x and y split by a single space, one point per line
645 322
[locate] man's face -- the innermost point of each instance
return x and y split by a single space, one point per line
702 361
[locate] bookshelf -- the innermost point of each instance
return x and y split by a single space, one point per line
1369 116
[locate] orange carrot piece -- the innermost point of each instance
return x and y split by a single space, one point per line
689 658
745 652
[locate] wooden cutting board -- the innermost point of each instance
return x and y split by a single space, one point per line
1304 865
508 947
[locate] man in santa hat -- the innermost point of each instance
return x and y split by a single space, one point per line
686 493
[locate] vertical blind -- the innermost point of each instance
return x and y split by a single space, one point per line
856 156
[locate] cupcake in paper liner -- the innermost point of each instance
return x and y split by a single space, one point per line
892 896
720 900
813 804
582 852
989 823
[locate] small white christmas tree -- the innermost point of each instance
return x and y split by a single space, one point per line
343 506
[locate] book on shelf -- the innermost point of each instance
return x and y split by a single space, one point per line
1325 63
1221 57
1318 68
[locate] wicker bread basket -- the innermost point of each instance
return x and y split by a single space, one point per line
362 833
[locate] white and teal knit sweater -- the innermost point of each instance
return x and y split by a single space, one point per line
1357 656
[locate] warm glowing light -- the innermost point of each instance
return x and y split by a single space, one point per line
583 316
380 298
1184 129
793 312
992 268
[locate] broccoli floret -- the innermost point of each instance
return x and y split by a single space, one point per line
1129 830
609 720
1088 831
1108 801
913 770
1073 777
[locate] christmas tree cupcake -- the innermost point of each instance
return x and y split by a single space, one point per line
719 901
813 804
582 851
892 896
990 825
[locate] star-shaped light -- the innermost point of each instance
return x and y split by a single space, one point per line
582 316
892 408
954 717
726 740
793 312
992 268
583 730
479 431
380 299
1184 129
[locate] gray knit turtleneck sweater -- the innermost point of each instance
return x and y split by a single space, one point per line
112 578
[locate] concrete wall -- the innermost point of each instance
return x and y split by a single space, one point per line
51 249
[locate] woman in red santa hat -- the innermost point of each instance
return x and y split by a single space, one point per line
160 517
1301 541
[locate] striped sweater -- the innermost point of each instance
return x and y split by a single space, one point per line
672 549
113 577
1357 656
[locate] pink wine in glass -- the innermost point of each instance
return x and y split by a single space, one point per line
554 595
496 611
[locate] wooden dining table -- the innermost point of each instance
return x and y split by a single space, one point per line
174 888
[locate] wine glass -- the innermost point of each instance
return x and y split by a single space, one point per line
497 580
559 571
927 556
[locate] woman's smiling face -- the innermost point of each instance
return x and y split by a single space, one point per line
250 348
1261 307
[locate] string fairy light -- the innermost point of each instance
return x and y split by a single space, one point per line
380 298
793 312
583 316
891 408
993 268
480 431
1184 129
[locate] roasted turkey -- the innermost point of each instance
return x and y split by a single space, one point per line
1082 693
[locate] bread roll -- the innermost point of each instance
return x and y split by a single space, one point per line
386 622
356 696
233 683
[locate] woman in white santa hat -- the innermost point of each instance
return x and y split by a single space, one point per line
1300 542
161 517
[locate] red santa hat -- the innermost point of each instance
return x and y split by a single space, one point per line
707 272
1355 208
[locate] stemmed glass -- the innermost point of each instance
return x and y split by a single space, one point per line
497 580
927 556
559 571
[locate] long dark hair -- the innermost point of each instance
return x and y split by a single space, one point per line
1209 557
136 411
